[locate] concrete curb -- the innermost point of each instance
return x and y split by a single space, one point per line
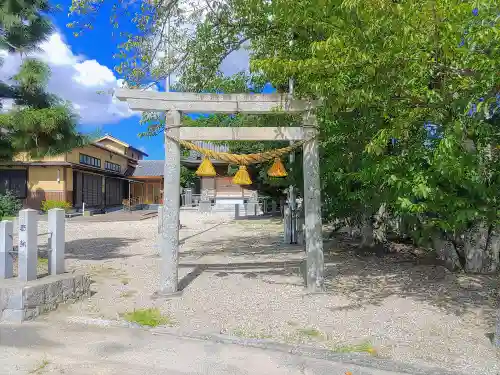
359 359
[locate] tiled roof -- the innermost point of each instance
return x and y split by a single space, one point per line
149 168
154 168
194 155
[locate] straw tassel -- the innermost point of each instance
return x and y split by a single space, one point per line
277 169
206 169
242 177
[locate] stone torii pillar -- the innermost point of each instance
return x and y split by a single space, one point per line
312 205
169 234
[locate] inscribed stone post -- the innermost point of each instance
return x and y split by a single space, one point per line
57 217
6 265
169 238
312 206
28 247
188 197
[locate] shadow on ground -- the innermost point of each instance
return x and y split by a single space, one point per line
369 280
364 277
98 248
23 336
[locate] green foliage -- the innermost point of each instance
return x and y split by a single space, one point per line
40 123
188 177
50 204
9 205
383 69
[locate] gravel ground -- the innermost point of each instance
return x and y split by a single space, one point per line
238 279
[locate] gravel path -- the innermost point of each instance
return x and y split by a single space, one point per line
238 279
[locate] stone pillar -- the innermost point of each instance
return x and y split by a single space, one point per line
188 197
496 338
293 214
28 245
6 265
160 218
236 211
57 217
312 206
287 223
299 217
169 236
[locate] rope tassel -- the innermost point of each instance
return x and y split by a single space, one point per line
277 169
242 177
206 169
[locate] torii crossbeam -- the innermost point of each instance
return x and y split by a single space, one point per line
173 103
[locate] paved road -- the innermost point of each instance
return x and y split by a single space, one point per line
76 349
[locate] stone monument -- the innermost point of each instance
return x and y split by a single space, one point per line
205 204
252 207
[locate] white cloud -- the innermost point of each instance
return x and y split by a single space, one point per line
85 83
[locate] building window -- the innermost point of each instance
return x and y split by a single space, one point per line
89 160
112 166
14 181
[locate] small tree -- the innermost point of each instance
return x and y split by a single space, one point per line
9 204
40 123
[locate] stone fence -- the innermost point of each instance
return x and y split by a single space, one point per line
27 249
26 296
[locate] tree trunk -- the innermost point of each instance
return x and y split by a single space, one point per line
374 230
367 238
481 249
446 252
380 224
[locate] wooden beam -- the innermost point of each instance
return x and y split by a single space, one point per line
211 103
242 134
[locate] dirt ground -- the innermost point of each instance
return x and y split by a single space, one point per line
238 279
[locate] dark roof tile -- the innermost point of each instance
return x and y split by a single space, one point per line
149 168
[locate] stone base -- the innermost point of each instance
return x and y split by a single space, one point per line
21 301
166 295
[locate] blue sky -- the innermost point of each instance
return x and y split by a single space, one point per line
100 45
82 66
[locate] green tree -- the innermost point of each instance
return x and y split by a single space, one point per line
389 74
39 123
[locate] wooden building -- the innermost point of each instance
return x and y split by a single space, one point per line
97 175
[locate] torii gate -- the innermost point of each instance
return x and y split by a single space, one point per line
176 102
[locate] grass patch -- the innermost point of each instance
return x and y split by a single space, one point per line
11 218
43 363
43 261
365 347
148 317
310 332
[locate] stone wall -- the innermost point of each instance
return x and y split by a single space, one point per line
21 301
